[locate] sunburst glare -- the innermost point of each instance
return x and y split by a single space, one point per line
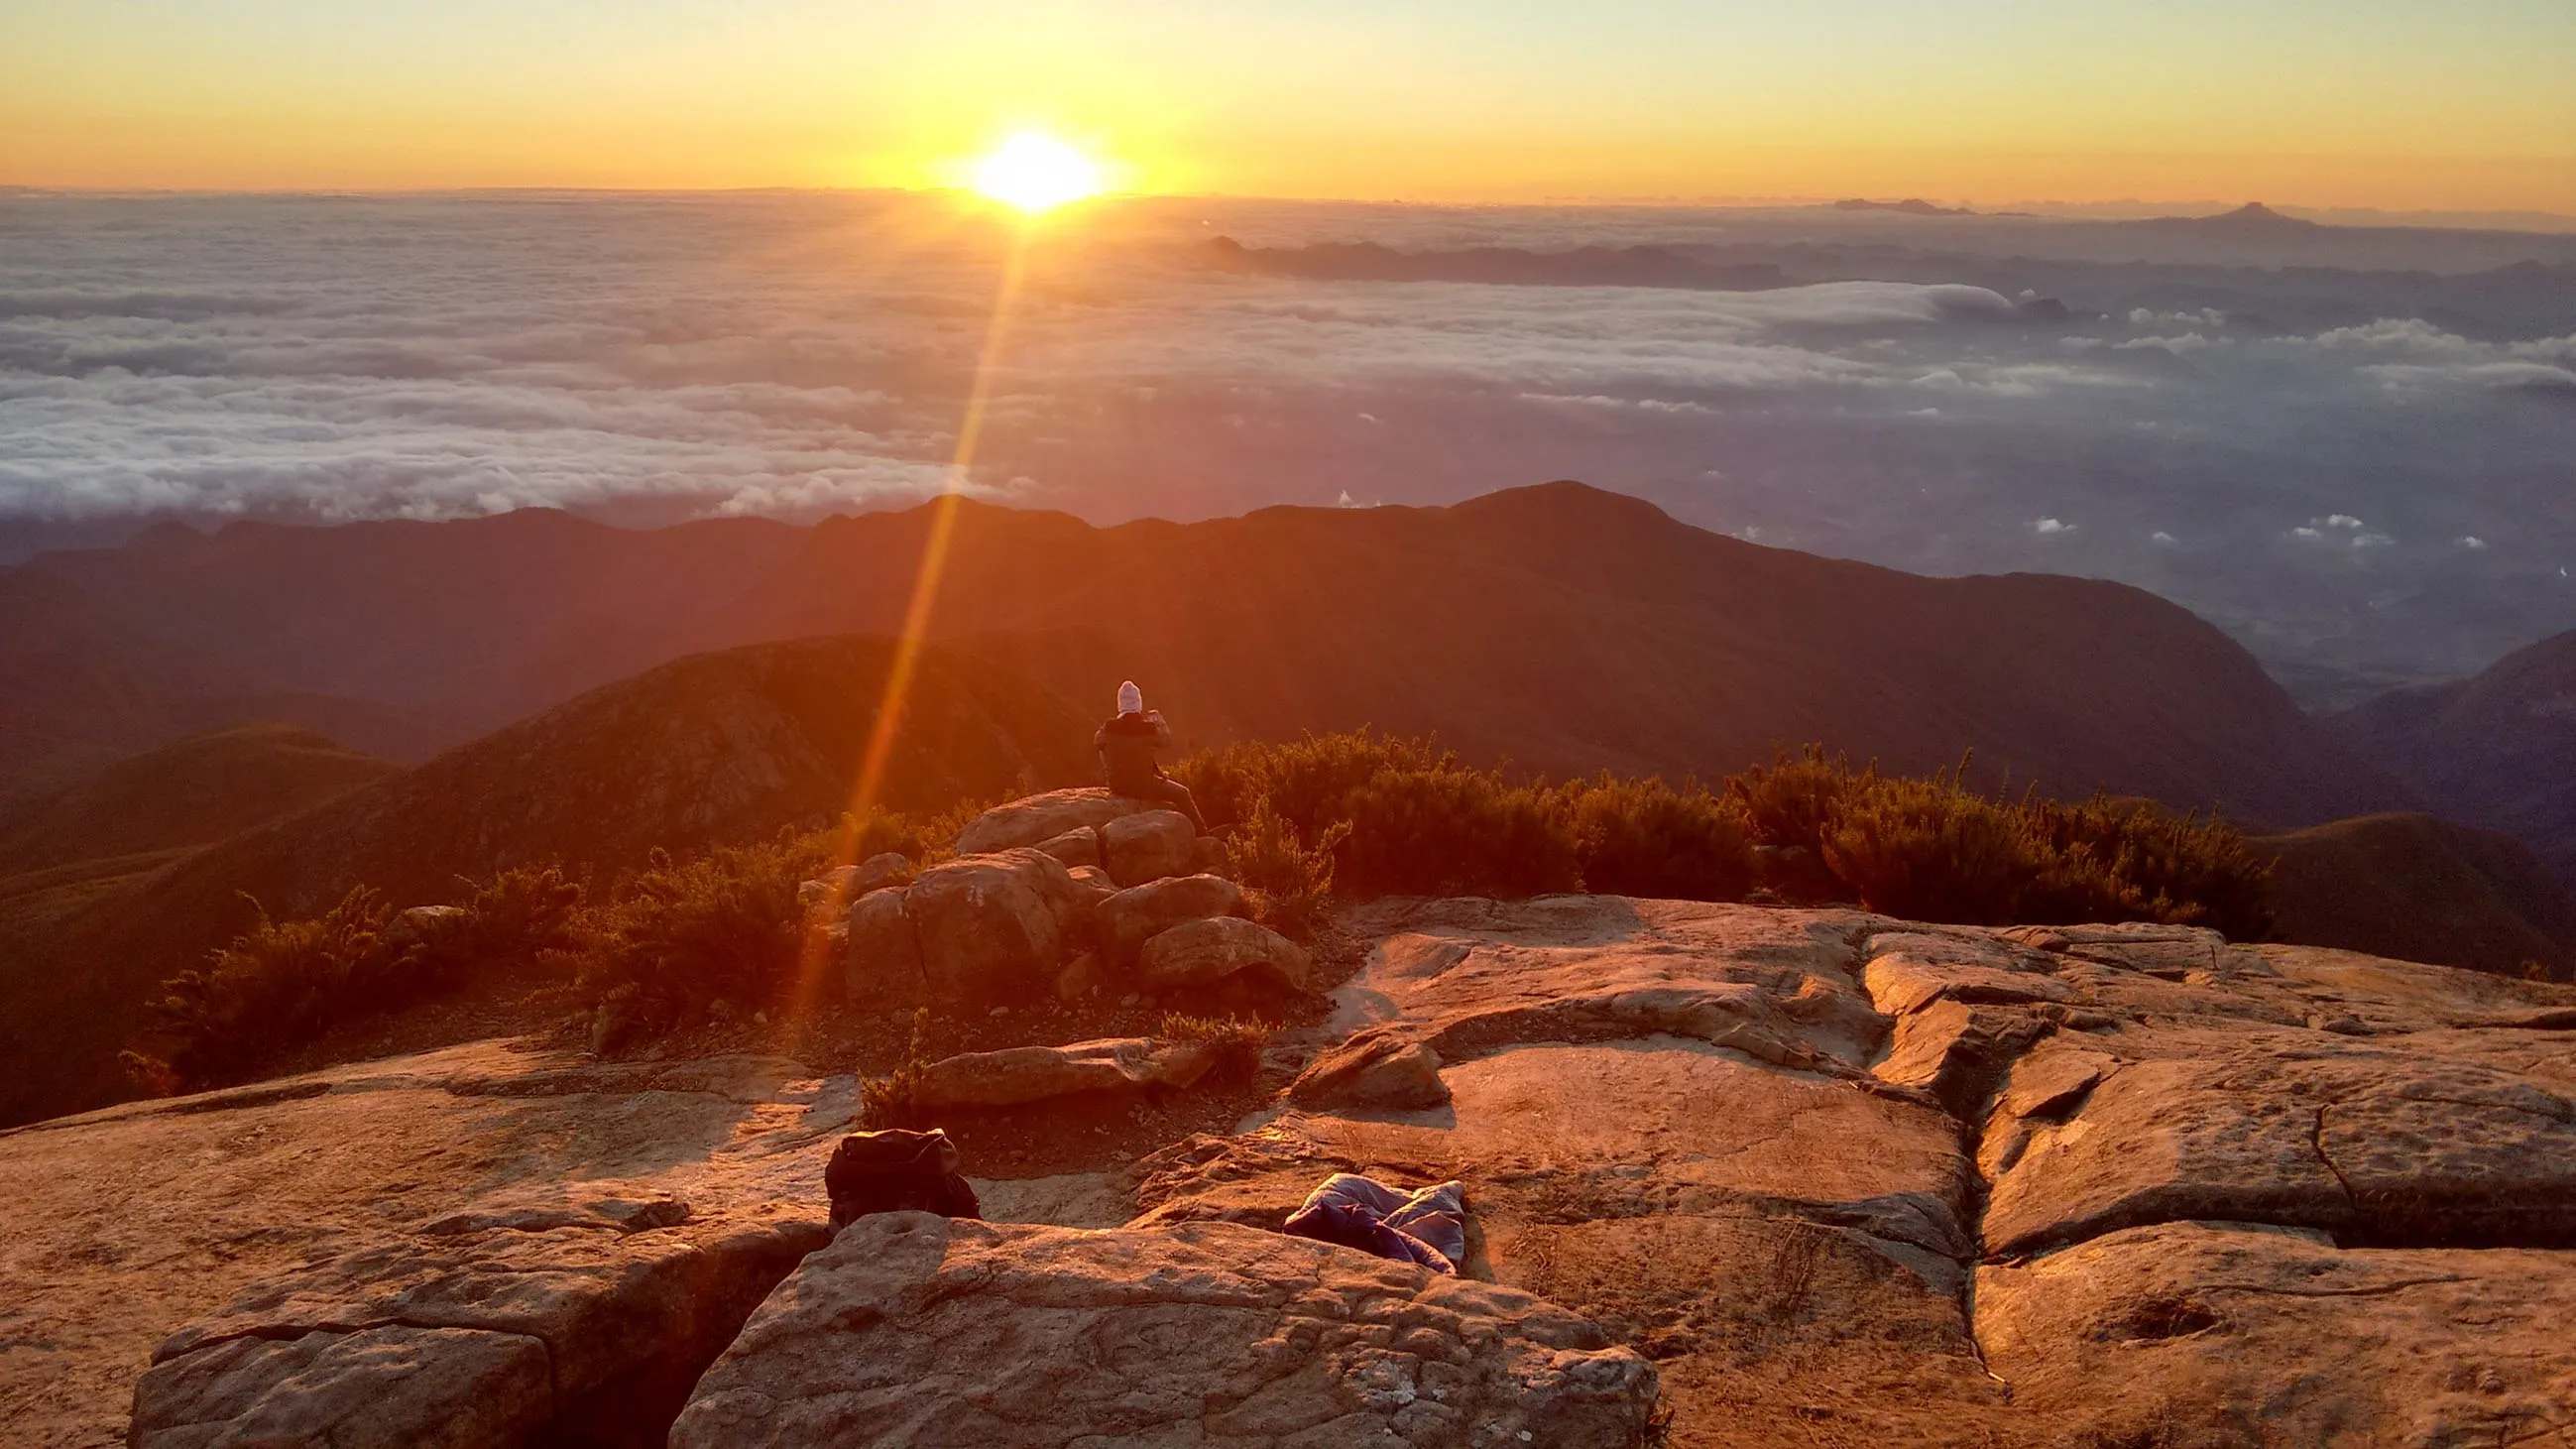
1036 173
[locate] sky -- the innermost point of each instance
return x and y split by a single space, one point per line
2388 104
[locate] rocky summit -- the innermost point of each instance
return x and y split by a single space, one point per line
1734 1176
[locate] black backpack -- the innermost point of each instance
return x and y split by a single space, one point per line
898 1171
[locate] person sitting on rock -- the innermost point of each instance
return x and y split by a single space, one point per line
1127 745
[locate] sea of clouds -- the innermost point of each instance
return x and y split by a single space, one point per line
2362 483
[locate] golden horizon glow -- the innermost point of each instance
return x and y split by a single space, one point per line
1992 103
1035 172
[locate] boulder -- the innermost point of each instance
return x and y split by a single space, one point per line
994 928
882 961
427 923
915 1329
1080 977
1074 847
1014 1076
2226 1333
1128 919
879 871
1203 952
1148 845
1381 1067
1036 818
1095 880
825 889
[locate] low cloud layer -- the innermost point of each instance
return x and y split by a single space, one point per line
647 358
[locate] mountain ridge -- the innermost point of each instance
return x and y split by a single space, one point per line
1562 627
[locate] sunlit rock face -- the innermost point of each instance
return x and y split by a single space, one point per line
1955 1174
1775 1176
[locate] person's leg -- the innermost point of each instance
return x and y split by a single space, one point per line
1437 1216
1173 793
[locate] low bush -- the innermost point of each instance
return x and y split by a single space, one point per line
894 1099
2154 865
275 986
1237 1043
722 926
281 984
1407 817
1647 838
1289 880
923 839
1929 851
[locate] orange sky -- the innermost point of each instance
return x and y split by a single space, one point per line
2364 103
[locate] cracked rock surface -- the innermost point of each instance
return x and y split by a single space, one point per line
1850 1181
1812 1177
911 1329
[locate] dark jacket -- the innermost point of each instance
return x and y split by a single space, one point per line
1127 745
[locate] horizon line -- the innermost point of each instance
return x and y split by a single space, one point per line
2019 210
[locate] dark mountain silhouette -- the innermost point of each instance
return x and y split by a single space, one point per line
714 748
1570 630
2498 748
1559 627
1910 206
2251 219
81 685
189 793
2422 889
481 621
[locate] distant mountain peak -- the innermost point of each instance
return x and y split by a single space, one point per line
2253 216
1911 206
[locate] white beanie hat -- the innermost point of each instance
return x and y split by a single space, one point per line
1131 700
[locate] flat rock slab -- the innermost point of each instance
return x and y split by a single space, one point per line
1774 1240
1016 1076
913 1330
1469 976
427 1339
119 1227
2226 1334
2361 1138
1608 1130
1773 1329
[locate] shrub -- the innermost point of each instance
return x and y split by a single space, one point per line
1288 880
1790 802
1646 838
1928 850
2153 865
894 1100
281 984
1237 1043
922 839
1308 782
725 925
512 919
1398 816
276 986
1454 831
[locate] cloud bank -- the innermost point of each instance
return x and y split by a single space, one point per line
647 358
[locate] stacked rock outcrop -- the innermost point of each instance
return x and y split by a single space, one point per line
1041 884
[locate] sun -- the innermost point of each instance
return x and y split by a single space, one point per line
1035 172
